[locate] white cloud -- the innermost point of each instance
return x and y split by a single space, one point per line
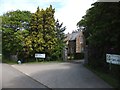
72 12
67 11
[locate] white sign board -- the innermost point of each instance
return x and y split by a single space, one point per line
113 58
37 55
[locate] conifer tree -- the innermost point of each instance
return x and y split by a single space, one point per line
34 42
58 51
42 38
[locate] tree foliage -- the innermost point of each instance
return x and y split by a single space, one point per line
26 33
59 29
102 33
43 36
101 24
0 42
42 32
15 25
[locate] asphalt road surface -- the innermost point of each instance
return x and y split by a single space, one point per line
62 75
12 78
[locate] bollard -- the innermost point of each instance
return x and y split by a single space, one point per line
19 62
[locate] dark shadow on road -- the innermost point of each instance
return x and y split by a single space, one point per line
76 61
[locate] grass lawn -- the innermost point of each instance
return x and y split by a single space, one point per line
106 77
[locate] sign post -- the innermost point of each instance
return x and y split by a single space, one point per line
37 55
112 59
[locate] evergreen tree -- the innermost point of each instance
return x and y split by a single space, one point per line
42 36
101 30
34 41
58 51
49 33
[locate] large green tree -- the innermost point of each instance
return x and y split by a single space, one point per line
102 33
15 25
42 38
0 42
101 29
25 34
0 35
60 35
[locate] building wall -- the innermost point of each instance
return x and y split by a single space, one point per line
75 46
72 47
78 47
79 43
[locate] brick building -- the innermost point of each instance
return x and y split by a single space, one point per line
75 42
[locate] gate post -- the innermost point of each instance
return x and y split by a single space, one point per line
86 55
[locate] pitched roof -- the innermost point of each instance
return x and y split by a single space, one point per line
74 35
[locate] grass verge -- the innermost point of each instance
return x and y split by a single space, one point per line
9 61
5 60
105 76
0 57
43 62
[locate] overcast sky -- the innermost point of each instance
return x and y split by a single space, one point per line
67 11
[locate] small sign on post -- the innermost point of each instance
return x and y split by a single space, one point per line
37 55
113 58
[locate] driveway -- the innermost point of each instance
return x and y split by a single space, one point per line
12 78
62 75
